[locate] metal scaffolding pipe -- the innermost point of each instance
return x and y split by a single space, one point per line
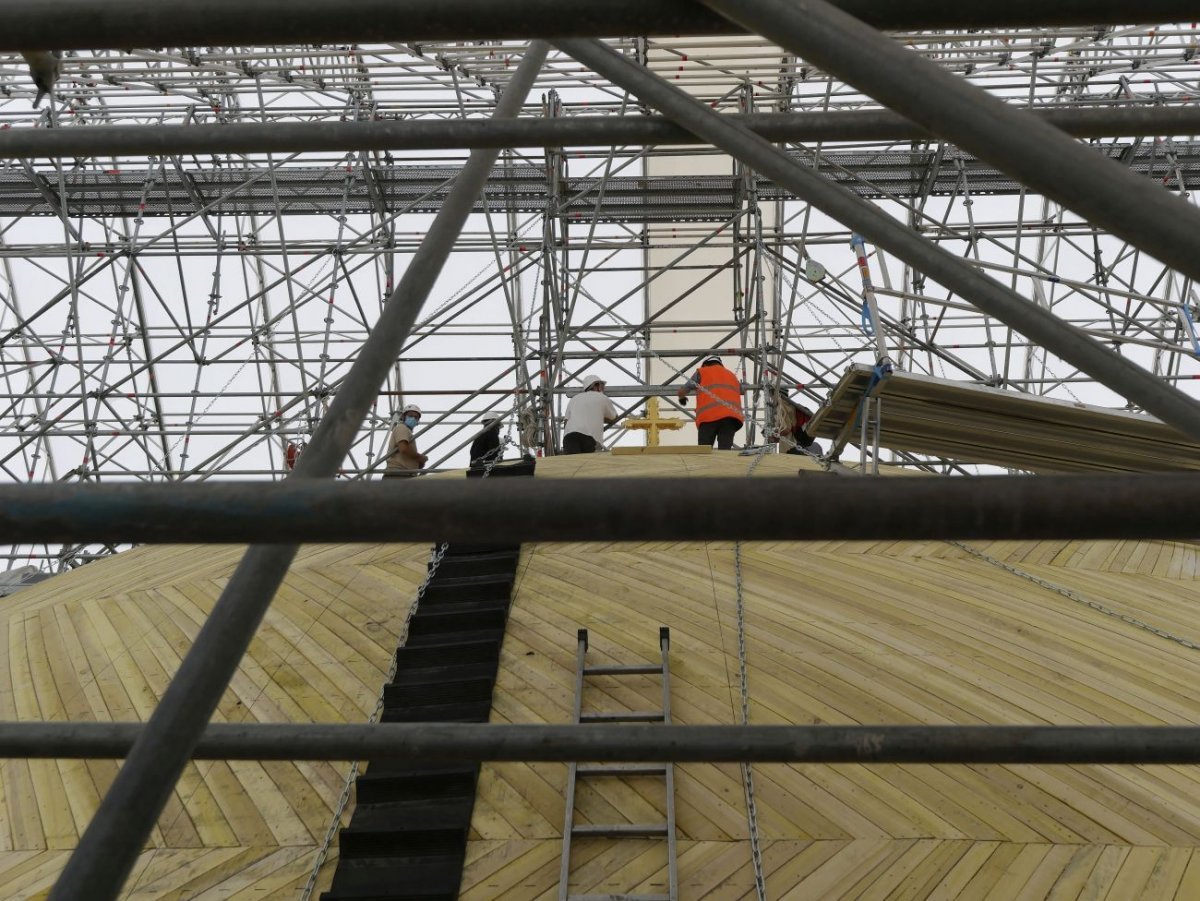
1101 190
87 24
470 742
460 510
110 845
291 137
1037 323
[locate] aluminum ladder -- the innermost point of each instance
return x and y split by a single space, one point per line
576 771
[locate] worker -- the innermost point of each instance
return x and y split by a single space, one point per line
792 418
588 412
403 458
486 448
718 403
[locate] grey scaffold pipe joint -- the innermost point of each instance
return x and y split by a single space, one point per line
123 24
477 742
1142 506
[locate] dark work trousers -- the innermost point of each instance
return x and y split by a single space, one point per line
578 443
720 430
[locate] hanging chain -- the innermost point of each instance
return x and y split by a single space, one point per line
1077 598
435 561
760 885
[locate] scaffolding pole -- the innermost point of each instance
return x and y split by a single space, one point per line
473 742
82 24
585 131
108 848
1123 377
1035 153
1159 506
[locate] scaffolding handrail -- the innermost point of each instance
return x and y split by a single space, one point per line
471 742
1143 506
83 24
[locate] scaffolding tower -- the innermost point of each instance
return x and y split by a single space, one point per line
183 302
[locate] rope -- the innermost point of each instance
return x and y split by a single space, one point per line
1078 598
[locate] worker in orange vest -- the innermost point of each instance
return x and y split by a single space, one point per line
718 403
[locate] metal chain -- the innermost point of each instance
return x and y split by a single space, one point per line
760 885
435 561
1079 599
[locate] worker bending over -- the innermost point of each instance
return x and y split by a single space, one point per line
790 419
718 403
587 414
404 460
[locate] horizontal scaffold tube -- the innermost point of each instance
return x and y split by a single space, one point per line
606 131
644 743
86 24
543 509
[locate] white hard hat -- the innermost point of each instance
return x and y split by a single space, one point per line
712 358
411 408
590 379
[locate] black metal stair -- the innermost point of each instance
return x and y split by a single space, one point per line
407 839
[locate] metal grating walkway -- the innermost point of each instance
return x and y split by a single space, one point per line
304 190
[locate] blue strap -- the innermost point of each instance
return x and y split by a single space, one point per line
1191 323
879 372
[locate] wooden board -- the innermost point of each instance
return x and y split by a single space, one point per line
694 449
101 643
836 632
843 632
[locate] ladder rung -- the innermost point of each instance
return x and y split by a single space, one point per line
619 830
621 769
645 669
649 716
618 898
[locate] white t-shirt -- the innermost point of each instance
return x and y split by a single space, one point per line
586 412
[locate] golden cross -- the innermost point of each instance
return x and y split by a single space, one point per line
653 423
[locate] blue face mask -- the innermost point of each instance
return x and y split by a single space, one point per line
411 421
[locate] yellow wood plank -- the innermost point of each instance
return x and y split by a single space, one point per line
717 870
830 878
1135 872
663 450
1168 873
1021 869
921 882
993 871
963 870
884 881
787 863
275 873
528 869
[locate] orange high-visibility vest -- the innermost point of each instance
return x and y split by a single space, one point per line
719 395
